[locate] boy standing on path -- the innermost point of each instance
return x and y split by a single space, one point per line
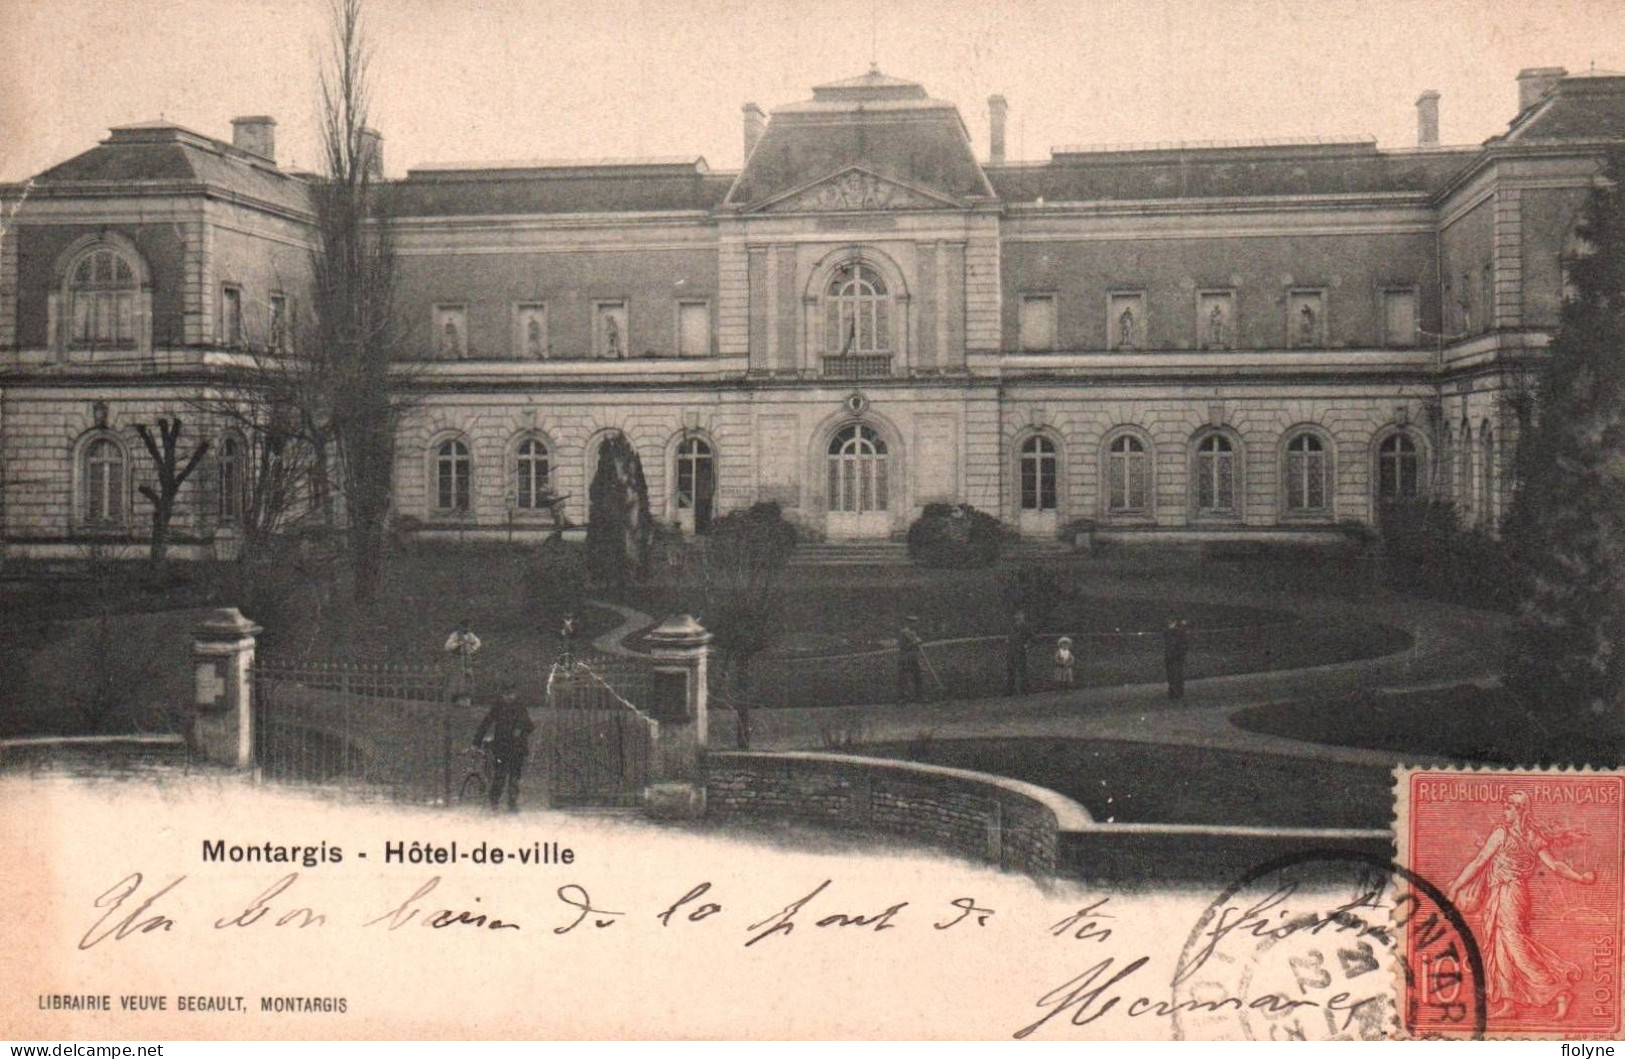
1015 655
1176 643
461 645
909 688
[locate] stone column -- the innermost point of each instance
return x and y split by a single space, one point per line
680 647
222 670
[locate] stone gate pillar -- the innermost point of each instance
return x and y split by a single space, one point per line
223 695
679 647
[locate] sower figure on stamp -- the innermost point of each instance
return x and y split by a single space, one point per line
461 645
1176 644
1519 970
909 686
1015 654
509 726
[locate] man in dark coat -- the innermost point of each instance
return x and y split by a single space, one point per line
909 688
509 725
1015 655
1176 643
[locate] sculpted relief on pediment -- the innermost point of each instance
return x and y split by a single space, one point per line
854 189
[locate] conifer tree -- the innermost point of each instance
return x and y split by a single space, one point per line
1567 524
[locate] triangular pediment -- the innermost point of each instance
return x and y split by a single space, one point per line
856 188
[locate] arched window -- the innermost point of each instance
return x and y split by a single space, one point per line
1215 475
694 476
1486 440
857 312
453 474
1398 468
1038 474
104 483
102 292
229 474
1128 473
1306 490
1469 474
857 470
530 476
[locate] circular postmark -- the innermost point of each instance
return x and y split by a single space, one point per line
1329 945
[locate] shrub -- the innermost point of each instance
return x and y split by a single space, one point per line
555 583
955 535
1426 550
619 526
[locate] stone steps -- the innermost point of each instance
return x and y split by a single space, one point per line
850 553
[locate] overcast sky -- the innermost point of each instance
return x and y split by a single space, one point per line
459 80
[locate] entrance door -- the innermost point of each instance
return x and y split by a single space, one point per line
859 489
696 485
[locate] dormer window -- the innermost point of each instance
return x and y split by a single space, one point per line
102 293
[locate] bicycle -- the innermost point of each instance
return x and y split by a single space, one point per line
479 777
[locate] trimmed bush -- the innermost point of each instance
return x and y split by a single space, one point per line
955 535
1426 550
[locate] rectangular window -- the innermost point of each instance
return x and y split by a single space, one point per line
1399 318
1038 323
693 329
231 315
530 331
609 335
277 333
1306 319
450 335
1125 320
1216 319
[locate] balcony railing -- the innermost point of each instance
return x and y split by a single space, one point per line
858 366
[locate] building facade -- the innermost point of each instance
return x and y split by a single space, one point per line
1214 339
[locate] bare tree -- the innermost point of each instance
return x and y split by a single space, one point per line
172 474
354 269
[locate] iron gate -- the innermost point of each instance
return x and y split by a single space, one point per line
394 732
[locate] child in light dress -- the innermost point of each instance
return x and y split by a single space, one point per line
1064 662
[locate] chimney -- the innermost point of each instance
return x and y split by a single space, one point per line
997 108
1427 119
372 153
1536 82
256 135
755 123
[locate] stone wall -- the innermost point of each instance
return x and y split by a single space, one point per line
988 818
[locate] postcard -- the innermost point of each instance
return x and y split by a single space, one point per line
847 521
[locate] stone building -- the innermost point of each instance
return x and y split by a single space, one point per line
1168 340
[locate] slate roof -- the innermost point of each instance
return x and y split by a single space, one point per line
886 125
561 186
159 151
1229 171
1589 105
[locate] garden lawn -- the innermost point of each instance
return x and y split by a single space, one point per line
1127 782
1464 723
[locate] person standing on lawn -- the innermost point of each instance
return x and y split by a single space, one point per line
1015 654
509 726
461 645
909 687
1176 644
1064 662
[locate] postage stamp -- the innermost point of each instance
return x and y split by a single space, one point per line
1531 860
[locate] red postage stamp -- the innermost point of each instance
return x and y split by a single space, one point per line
1531 862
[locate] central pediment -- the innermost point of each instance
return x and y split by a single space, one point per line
856 188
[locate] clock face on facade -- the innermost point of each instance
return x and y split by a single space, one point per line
856 403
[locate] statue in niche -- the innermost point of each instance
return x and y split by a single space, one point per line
451 343
1125 330
1215 326
1308 331
612 338
533 338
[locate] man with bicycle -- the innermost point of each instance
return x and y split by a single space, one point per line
509 726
